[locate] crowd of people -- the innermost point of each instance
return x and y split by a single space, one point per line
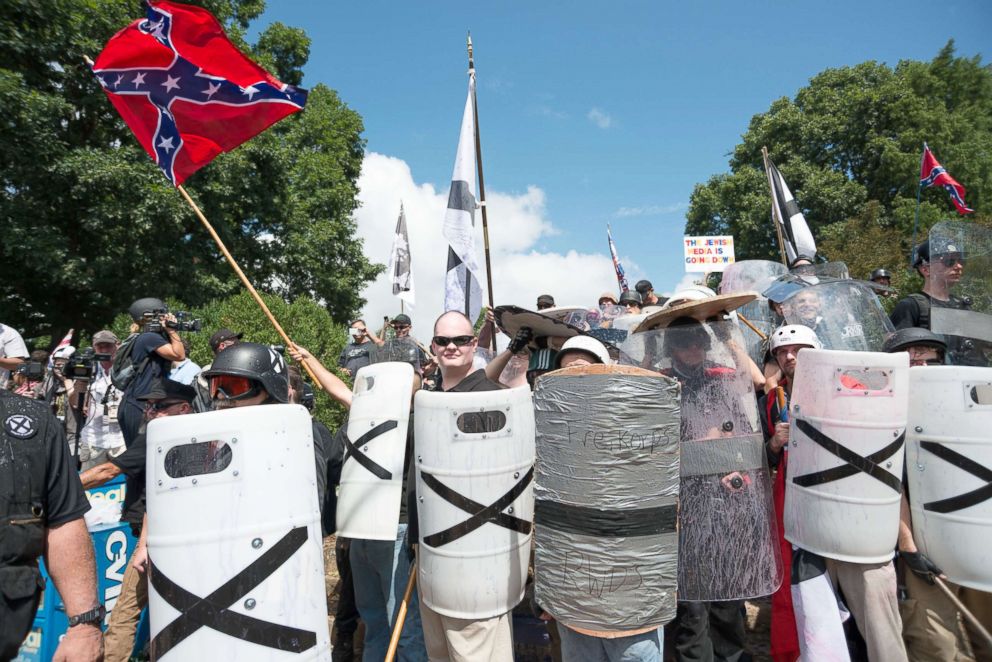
78 419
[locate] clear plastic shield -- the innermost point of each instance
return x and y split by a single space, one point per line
823 270
756 276
961 265
845 315
398 350
949 469
728 547
606 493
750 275
234 537
846 447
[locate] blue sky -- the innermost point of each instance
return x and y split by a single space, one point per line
603 107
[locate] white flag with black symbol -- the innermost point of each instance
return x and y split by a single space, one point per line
462 288
400 265
795 232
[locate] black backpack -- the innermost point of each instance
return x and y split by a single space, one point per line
123 371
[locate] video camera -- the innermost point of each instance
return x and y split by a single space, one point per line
33 370
153 322
81 366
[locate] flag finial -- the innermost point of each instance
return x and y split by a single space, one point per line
471 61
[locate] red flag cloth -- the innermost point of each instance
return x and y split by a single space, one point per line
186 91
934 174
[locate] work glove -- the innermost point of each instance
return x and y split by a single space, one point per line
921 566
521 339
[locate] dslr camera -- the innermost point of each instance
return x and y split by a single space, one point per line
81 366
154 321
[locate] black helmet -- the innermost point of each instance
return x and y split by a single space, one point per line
146 305
683 330
260 363
880 273
630 296
800 258
914 336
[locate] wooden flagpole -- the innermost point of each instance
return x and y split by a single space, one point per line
482 187
394 640
776 218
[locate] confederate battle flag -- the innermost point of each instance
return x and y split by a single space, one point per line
934 174
186 91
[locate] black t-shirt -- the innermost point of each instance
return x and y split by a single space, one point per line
355 356
144 347
64 498
132 463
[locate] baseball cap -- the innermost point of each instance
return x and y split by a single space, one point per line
222 335
607 295
402 319
643 287
105 335
169 389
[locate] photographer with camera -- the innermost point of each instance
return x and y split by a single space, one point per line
145 357
94 394
28 379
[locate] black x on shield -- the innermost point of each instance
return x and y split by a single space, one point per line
213 611
480 514
855 463
353 450
967 499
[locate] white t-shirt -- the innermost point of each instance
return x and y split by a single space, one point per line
102 429
11 346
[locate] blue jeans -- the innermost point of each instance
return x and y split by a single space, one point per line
646 647
380 569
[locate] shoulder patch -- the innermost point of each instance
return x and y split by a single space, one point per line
20 426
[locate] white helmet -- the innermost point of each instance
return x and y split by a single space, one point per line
691 293
64 352
793 334
585 344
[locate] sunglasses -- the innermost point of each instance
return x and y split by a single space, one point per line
233 387
457 341
399 327
951 261
163 405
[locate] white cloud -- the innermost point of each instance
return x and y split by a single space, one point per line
547 111
688 280
650 210
600 118
517 222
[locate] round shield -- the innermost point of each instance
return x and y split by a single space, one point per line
949 469
372 473
702 310
961 265
606 492
726 490
845 315
848 420
475 499
237 565
511 319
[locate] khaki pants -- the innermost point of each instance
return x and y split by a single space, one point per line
870 593
118 640
464 640
932 628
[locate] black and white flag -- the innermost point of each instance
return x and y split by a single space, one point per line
795 232
462 289
400 265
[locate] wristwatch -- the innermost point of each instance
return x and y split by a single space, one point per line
94 615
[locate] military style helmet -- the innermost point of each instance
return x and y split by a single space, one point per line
915 336
880 273
146 305
257 362
630 296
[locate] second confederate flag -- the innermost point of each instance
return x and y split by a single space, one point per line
934 174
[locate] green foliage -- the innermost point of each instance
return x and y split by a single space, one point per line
90 223
306 322
849 146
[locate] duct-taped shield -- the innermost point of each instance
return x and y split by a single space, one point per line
846 315
372 473
754 275
949 469
967 321
846 449
728 547
234 537
606 494
475 499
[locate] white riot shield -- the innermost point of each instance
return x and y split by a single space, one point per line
846 315
372 474
237 566
475 499
949 469
606 494
967 323
728 539
847 428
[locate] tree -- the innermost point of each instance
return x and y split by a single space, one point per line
90 223
849 146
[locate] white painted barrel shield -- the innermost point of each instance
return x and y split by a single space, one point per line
846 448
474 455
949 469
372 474
234 537
606 497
